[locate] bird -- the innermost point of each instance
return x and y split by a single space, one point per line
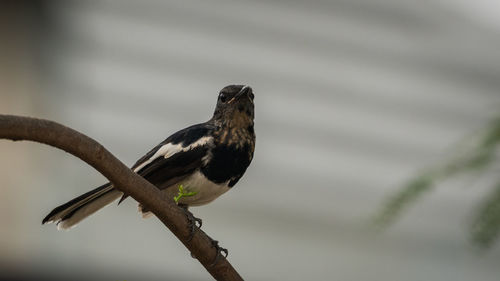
204 160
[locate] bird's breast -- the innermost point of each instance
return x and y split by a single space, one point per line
205 190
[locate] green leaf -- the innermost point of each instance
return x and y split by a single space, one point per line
477 158
183 193
486 225
408 194
492 136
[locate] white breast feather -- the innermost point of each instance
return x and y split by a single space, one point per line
206 190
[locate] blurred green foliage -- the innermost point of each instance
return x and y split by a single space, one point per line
479 154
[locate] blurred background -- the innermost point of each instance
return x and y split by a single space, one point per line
353 98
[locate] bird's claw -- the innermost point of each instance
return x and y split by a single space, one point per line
194 223
220 252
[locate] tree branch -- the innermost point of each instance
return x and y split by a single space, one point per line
18 128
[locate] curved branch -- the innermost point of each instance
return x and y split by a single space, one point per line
51 133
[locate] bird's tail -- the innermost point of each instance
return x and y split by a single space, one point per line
71 213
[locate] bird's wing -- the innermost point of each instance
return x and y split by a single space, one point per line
193 136
165 171
176 157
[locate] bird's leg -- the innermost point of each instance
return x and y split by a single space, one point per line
192 221
220 252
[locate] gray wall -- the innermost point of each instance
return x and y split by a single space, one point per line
352 99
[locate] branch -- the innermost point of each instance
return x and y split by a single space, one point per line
18 128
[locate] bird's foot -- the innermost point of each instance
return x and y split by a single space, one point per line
194 223
220 252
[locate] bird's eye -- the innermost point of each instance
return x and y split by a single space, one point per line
252 96
222 97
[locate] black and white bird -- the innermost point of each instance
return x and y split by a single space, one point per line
207 159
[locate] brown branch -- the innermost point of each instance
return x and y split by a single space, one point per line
51 133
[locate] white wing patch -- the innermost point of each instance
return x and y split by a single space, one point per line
169 149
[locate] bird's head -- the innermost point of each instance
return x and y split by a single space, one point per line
235 106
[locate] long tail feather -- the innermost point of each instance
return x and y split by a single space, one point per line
74 211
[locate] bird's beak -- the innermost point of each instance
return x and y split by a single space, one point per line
245 90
